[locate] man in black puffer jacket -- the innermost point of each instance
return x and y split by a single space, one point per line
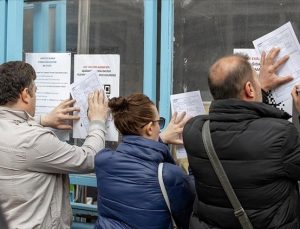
258 148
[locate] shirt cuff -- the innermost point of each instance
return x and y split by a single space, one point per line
97 125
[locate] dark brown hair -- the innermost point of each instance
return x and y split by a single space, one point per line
131 113
15 76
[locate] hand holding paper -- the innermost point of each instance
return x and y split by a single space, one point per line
268 78
98 106
97 101
172 134
284 38
60 116
188 104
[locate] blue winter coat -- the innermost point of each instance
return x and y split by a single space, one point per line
129 194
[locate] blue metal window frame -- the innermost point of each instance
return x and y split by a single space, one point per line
166 54
166 57
150 48
11 28
41 27
14 30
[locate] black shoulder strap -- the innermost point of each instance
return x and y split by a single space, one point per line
239 212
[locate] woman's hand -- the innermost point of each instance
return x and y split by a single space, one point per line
172 133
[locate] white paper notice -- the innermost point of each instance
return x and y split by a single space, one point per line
192 104
80 91
106 69
254 58
284 37
53 72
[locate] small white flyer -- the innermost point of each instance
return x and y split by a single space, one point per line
192 104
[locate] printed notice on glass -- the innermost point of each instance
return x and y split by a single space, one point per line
80 91
192 104
285 38
107 67
53 71
253 57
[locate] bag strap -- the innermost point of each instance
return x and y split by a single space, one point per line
239 212
164 191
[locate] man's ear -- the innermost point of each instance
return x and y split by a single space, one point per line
25 95
249 90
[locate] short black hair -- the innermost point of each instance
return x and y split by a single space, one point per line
15 76
234 79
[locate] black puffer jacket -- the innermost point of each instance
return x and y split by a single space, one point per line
260 152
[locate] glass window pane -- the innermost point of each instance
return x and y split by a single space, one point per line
116 27
208 29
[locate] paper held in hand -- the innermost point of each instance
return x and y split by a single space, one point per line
191 103
285 38
80 91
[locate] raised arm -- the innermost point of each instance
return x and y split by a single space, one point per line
50 155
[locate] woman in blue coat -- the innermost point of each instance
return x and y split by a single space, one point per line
129 195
